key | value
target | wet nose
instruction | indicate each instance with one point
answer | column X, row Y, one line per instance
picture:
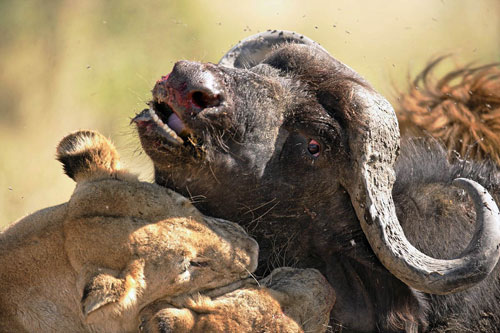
column 192, row 86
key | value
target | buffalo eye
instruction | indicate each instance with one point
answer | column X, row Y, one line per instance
column 313, row 148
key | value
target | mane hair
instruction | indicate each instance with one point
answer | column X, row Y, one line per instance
column 460, row 108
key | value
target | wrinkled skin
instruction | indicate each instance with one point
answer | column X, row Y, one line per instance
column 267, row 146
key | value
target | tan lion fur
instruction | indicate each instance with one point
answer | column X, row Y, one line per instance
column 288, row 300
column 123, row 255
column 92, row 263
column 461, row 109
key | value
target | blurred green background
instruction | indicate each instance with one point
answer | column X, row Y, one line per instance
column 68, row 65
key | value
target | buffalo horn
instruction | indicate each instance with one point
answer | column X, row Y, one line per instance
column 374, row 144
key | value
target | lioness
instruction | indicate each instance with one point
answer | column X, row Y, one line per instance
column 123, row 255
column 92, row 263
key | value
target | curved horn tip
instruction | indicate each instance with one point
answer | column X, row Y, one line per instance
column 474, row 189
column 431, row 275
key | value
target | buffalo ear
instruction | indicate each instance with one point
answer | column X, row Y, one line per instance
column 254, row 49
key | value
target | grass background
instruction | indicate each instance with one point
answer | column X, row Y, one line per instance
column 68, row 64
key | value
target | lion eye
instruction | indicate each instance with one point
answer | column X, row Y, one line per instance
column 314, row 148
column 199, row 263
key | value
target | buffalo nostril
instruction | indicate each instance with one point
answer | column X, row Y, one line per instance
column 205, row 100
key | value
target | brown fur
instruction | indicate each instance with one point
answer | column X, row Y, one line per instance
column 462, row 109
column 288, row 300
column 118, row 244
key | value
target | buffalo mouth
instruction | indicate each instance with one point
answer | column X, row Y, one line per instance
column 161, row 123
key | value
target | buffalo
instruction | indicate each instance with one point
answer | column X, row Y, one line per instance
column 302, row 152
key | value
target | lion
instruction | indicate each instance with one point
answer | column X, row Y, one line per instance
column 460, row 109
column 287, row 300
column 106, row 260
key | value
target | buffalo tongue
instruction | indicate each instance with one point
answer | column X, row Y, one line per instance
column 175, row 123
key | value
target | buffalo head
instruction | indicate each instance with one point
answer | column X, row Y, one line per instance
column 296, row 146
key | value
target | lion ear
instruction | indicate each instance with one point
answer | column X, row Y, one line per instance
column 101, row 290
column 87, row 155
